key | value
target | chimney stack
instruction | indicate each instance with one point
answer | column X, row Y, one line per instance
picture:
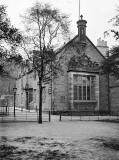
column 102, row 46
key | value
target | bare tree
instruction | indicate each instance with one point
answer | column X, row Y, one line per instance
column 45, row 28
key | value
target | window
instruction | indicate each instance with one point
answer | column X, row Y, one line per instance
column 82, row 31
column 75, row 92
column 30, row 98
column 83, row 87
column 34, row 96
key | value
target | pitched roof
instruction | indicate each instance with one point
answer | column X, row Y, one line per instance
column 68, row 43
column 65, row 45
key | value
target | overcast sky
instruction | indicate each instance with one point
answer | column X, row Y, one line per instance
column 96, row 12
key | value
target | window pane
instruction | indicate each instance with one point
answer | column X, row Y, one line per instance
column 84, row 92
column 88, row 92
column 84, row 87
column 80, row 92
column 88, row 87
column 79, row 80
column 84, row 80
column 75, row 78
column 75, row 93
column 92, row 88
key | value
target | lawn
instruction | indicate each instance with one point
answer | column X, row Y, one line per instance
column 71, row 140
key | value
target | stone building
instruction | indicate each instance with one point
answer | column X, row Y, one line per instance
column 114, row 88
column 81, row 87
column 6, row 91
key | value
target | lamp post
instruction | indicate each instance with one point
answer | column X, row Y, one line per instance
column 51, row 109
column 14, row 90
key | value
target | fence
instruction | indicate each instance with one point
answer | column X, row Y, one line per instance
column 23, row 115
column 87, row 115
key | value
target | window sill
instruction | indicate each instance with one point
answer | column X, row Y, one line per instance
column 85, row 101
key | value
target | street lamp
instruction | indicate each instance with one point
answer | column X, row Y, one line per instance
column 14, row 90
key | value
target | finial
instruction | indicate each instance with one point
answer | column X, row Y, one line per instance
column 81, row 17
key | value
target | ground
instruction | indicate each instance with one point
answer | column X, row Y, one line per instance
column 65, row 140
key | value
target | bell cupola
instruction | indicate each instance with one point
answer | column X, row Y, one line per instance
column 81, row 24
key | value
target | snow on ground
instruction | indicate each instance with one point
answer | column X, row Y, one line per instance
column 66, row 140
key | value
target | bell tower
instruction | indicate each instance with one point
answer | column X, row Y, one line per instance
column 81, row 24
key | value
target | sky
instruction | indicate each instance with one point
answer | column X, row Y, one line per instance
column 96, row 12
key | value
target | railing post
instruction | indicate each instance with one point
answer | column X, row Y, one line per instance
column 14, row 104
column 6, row 110
column 60, row 117
column 26, row 115
column 49, row 116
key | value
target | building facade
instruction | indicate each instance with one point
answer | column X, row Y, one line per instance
column 80, row 87
column 114, row 87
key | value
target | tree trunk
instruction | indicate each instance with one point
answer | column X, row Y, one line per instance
column 40, row 92
column 40, row 101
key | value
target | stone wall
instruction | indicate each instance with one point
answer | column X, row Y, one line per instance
column 114, row 94
column 60, row 93
column 32, row 80
column 114, row 97
column 6, row 85
column 103, row 101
